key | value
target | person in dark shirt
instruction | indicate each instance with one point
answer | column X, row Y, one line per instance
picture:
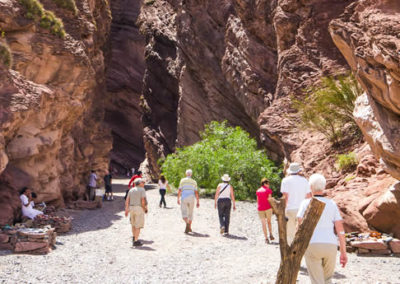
column 108, row 186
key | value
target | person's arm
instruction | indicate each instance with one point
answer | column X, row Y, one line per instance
column 286, row 195
column 233, row 198
column 216, row 197
column 127, row 206
column 342, row 242
column 144, row 204
column 179, row 195
column 130, row 182
column 198, row 198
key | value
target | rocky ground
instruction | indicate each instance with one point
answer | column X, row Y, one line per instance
column 99, row 250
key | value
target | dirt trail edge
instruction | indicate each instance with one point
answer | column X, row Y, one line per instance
column 99, row 250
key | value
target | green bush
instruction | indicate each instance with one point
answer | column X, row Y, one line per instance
column 5, row 55
column 46, row 19
column 346, row 162
column 223, row 149
column 329, row 107
column 67, row 4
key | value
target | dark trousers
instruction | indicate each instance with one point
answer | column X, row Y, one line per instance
column 162, row 193
column 224, row 212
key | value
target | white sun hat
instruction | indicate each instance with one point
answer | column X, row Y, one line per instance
column 294, row 168
column 225, row 177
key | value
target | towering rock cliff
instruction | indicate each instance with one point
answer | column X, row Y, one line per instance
column 125, row 71
column 368, row 36
column 52, row 110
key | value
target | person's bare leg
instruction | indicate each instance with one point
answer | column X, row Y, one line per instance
column 190, row 225
column 270, row 230
column 136, row 234
column 264, row 227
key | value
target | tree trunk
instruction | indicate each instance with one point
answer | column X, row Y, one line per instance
column 291, row 255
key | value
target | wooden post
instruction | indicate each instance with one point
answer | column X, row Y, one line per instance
column 291, row 255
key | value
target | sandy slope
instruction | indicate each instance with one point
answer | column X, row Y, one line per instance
column 99, row 250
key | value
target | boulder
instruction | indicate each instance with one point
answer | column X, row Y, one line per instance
column 4, row 238
column 383, row 213
column 394, row 245
column 370, row 245
column 28, row 246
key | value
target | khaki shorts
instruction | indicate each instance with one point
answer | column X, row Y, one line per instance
column 137, row 217
column 187, row 206
column 266, row 214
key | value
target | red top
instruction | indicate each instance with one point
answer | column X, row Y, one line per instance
column 133, row 179
column 263, row 194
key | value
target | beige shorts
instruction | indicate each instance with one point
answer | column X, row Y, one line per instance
column 266, row 214
column 187, row 206
column 137, row 217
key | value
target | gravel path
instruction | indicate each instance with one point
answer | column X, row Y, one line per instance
column 99, row 250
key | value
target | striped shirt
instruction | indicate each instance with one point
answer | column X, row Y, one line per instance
column 188, row 187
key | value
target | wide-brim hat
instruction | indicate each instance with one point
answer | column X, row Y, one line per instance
column 294, row 168
column 226, row 177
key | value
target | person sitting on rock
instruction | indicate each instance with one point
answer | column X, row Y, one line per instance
column 320, row 255
column 27, row 204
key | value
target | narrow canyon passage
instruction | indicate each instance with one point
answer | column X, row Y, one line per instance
column 99, row 250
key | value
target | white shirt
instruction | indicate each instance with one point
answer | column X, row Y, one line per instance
column 227, row 192
column 323, row 232
column 297, row 188
column 162, row 185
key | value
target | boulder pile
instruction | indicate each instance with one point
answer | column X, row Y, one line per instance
column 372, row 243
column 28, row 240
column 61, row 224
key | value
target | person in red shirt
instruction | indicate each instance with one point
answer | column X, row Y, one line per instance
column 264, row 208
column 131, row 182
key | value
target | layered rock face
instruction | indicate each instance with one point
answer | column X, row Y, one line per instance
column 52, row 103
column 125, row 70
column 368, row 36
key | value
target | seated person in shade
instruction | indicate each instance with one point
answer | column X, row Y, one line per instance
column 27, row 204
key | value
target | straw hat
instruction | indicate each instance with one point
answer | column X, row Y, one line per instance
column 225, row 177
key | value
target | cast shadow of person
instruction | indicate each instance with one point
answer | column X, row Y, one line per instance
column 234, row 237
column 198, row 235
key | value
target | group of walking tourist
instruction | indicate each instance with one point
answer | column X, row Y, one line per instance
column 297, row 191
column 320, row 256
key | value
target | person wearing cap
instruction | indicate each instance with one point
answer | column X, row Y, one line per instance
column 295, row 188
column 187, row 192
column 264, row 209
column 136, row 205
column 224, row 197
column 321, row 253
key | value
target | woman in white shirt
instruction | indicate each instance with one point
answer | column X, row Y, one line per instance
column 224, row 197
column 321, row 253
column 163, row 184
column 27, row 204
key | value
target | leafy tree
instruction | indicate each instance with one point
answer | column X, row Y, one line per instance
column 329, row 107
column 223, row 149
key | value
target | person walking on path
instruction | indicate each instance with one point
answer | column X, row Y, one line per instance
column 163, row 184
column 187, row 192
column 136, row 205
column 108, row 186
column 91, row 188
column 132, row 182
column 224, row 197
column 321, row 253
column 295, row 189
column 264, row 208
